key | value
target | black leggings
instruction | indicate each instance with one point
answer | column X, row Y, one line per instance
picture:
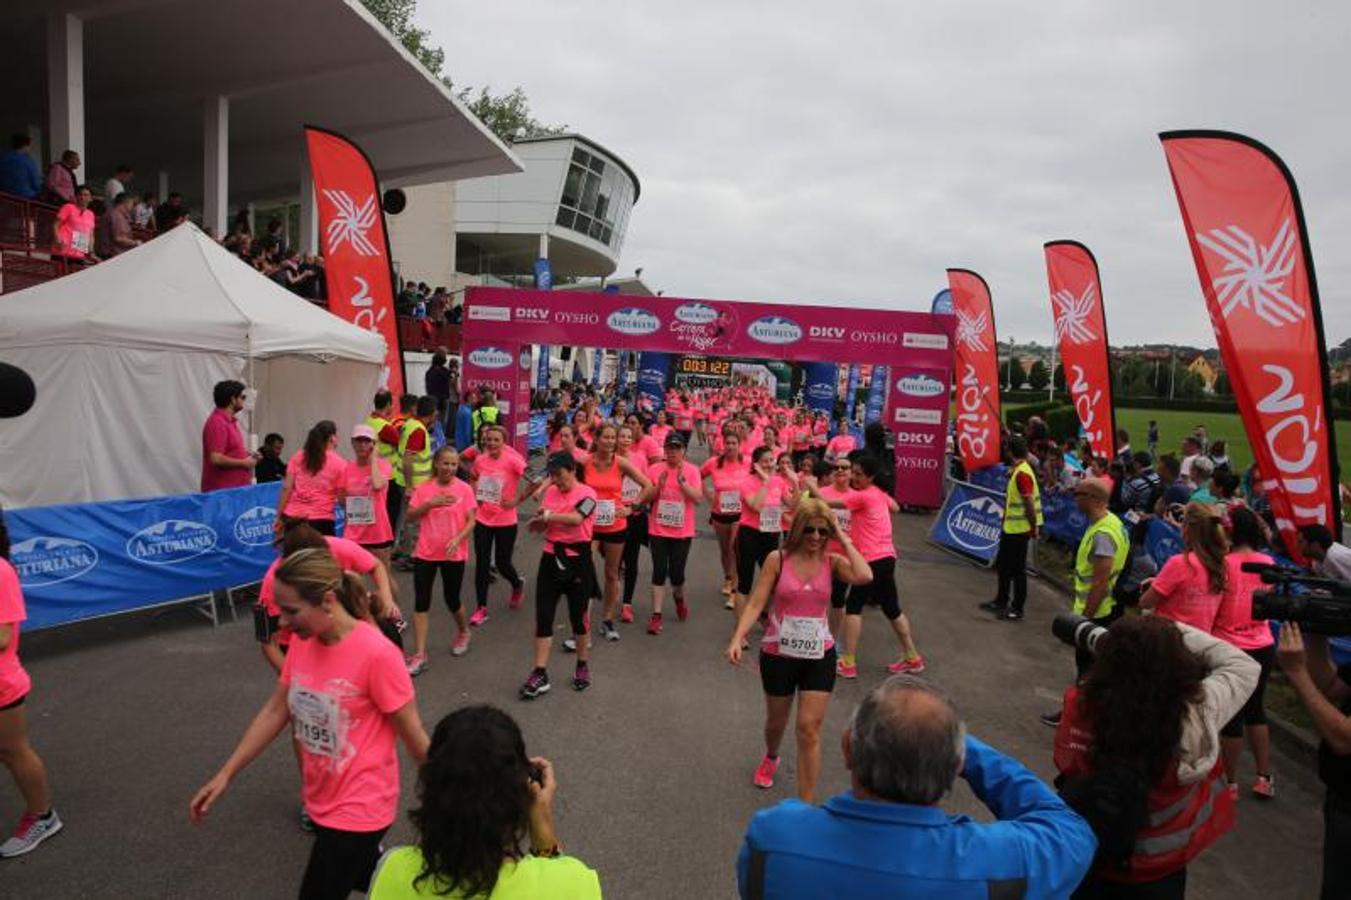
column 1254, row 712
column 486, row 538
column 340, row 862
column 882, row 589
column 394, row 504
column 752, row 546
column 424, row 576
column 574, row 582
column 633, row 545
column 669, row 556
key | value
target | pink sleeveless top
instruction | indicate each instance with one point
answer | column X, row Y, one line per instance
column 798, row 613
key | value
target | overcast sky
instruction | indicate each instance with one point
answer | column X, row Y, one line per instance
column 848, row 153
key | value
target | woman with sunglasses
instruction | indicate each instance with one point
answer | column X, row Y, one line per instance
column 797, row 652
column 836, row 488
column 607, row 472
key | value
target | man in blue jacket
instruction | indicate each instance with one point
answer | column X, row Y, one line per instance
column 888, row 838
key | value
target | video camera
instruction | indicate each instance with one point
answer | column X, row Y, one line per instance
column 1077, row 631
column 1320, row 605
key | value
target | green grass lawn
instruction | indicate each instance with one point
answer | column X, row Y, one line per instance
column 1174, row 426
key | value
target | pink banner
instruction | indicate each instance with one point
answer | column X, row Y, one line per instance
column 917, row 409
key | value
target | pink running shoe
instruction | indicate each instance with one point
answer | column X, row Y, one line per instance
column 479, row 617
column 517, row 597
column 682, row 611
column 654, row 624
column 626, row 613
column 846, row 670
column 1264, row 787
column 912, row 666
column 764, row 773
column 461, row 645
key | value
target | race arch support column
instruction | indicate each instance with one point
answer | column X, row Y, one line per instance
column 918, row 418
column 504, row 367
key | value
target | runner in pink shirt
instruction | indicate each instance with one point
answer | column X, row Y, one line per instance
column 568, row 443
column 842, row 444
column 725, row 473
column 608, row 473
column 764, row 498
column 445, row 507
column 838, row 488
column 365, row 491
column 499, row 486
column 630, row 446
column 314, row 481
column 659, row 429
column 346, row 694
column 676, row 488
column 1191, row 585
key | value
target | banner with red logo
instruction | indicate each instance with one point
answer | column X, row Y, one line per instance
column 1243, row 219
column 355, row 244
column 976, row 370
column 1081, row 333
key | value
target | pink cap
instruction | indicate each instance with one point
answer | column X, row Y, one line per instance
column 363, row 431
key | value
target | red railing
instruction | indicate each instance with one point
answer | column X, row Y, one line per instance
column 422, row 335
column 25, row 244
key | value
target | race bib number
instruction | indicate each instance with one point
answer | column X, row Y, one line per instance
column 771, row 519
column 729, row 501
column 605, row 513
column 315, row 719
column 360, row 510
column 844, row 517
column 629, row 490
column 671, row 514
column 79, row 240
column 802, row 638
column 489, row 490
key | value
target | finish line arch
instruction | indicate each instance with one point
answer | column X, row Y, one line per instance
column 500, row 325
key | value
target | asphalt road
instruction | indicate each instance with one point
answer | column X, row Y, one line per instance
column 654, row 762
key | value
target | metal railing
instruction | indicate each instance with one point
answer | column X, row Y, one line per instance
column 25, row 244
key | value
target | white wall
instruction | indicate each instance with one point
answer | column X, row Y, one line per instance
column 422, row 237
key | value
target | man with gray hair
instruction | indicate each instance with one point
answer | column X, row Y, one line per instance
column 905, row 748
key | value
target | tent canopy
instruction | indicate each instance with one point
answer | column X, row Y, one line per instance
column 125, row 353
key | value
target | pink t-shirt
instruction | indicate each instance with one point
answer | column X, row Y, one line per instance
column 221, row 434
column 498, row 480
column 727, row 480
column 658, row 434
column 1233, row 621
column 556, row 502
column 799, row 599
column 14, row 680
column 870, row 523
column 649, row 448
column 341, row 697
column 314, row 495
column 363, row 503
column 776, row 496
column 75, row 227
column 672, row 512
column 841, row 445
column 845, row 516
column 348, row 553
column 441, row 523
column 1184, row 585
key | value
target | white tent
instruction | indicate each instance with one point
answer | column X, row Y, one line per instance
column 125, row 354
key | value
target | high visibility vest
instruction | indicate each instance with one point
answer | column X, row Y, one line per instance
column 1015, row 520
column 422, row 460
column 485, row 415
column 558, row 878
column 1083, row 563
column 388, row 452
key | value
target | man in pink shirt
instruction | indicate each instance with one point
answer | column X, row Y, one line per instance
column 73, row 229
column 225, row 462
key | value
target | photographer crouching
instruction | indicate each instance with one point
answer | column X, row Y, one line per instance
column 1138, row 749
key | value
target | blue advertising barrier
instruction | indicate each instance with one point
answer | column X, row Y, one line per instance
column 539, row 431
column 653, row 372
column 970, row 522
column 820, row 382
column 94, row 559
column 851, row 393
column 877, row 394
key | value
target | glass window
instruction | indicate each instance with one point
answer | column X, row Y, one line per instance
column 580, row 156
column 572, row 186
column 605, row 235
column 597, row 226
column 597, row 165
column 565, row 217
column 590, row 189
column 583, row 223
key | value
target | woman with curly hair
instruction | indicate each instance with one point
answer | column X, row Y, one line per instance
column 480, row 797
column 1138, row 750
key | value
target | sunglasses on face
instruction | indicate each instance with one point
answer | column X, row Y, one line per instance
column 816, row 529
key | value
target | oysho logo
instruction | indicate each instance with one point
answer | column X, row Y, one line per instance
column 976, row 523
column 920, row 385
column 916, row 462
column 253, row 528
column 171, row 542
column 633, row 320
column 46, row 560
column 696, row 313
column 490, row 358
column 774, row 330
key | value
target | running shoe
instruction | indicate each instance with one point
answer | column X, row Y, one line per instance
column 417, row 664
column 1264, row 787
column 727, row 586
column 912, row 666
column 994, row 606
column 626, row 614
column 609, row 631
column 764, row 773
column 1012, row 615
column 1051, row 720
column 729, row 603
column 846, row 669
column 654, row 624
column 536, row 684
column 581, row 679
column 32, row 830
column 1231, row 788
column 461, row 645
column 570, row 645
column 517, row 597
column 479, row 617
column 306, row 823
column 682, row 611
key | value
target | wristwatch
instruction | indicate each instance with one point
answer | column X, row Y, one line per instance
column 547, row 853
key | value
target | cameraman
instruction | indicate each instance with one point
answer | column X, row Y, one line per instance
column 1329, row 558
column 1326, row 694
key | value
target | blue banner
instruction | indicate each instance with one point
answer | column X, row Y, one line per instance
column 851, row 392
column 1162, row 540
column 942, row 303
column 970, row 522
column 542, row 369
column 538, row 438
column 93, row 559
column 622, row 370
column 597, row 360
column 820, row 381
column 1063, row 521
column 653, row 371
column 877, row 394
column 544, row 275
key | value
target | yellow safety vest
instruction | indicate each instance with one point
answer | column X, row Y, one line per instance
column 529, row 878
column 486, row 415
column 1015, row 519
column 422, row 460
column 388, row 452
column 1083, row 564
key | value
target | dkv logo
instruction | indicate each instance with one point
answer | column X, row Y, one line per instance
column 253, row 527
column 170, row 542
column 774, row 330
column 976, row 523
column 46, row 560
column 490, row 358
column 920, row 385
column 634, row 320
column 696, row 313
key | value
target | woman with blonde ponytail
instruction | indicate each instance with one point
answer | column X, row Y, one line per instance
column 1190, row 587
column 346, row 693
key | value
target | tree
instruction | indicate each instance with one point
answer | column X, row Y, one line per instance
column 1013, row 371
column 1059, row 376
column 506, row 115
column 1222, row 387
column 1038, row 376
column 397, row 16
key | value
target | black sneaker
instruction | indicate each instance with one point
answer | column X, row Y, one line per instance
column 581, row 679
column 1051, row 720
column 994, row 606
column 536, row 684
column 1013, row 615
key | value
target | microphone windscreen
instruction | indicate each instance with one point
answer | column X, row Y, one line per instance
column 17, row 391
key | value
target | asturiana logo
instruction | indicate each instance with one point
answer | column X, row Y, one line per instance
column 652, row 376
column 490, row 358
column 170, row 542
column 696, row 313
column 774, row 330
column 919, row 385
column 976, row 524
column 633, row 320
column 253, row 528
column 821, row 391
column 45, row 560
